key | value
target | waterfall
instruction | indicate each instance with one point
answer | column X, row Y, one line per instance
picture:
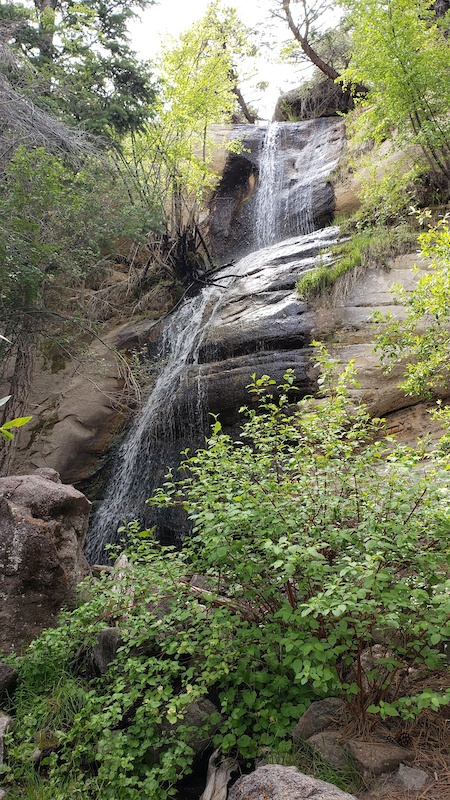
column 268, row 196
column 248, row 318
column 141, row 455
column 295, row 162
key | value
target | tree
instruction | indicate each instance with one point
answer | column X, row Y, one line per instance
column 326, row 49
column 59, row 200
column 402, row 53
column 304, row 31
column 76, row 61
column 197, row 76
column 200, row 74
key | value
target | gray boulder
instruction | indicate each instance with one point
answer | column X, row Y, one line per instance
column 328, row 746
column 104, row 651
column 43, row 526
column 411, row 778
column 318, row 717
column 376, row 758
column 274, row 782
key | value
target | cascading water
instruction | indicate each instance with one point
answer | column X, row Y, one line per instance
column 269, row 192
column 146, row 448
column 249, row 320
column 294, row 162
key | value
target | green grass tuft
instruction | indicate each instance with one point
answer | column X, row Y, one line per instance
column 367, row 248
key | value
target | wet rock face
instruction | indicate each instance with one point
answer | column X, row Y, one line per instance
column 252, row 321
column 232, row 206
column 301, row 197
column 43, row 526
column 260, row 326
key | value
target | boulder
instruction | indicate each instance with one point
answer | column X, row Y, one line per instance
column 318, row 98
column 43, row 526
column 376, row 758
column 274, row 782
column 104, row 651
column 411, row 778
column 197, row 718
column 328, row 746
column 317, row 717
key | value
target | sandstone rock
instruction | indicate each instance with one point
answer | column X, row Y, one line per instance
column 8, row 677
column 329, row 746
column 317, row 717
column 345, row 317
column 105, row 650
column 80, row 410
column 274, row 782
column 321, row 98
column 375, row 758
column 43, row 526
column 411, row 778
column 6, row 723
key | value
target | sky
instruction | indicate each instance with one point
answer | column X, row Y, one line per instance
column 175, row 16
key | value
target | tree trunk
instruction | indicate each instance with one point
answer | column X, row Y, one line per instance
column 46, row 10
column 314, row 57
column 244, row 107
column 17, row 405
column 327, row 69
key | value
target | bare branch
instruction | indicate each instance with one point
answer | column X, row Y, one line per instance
column 24, row 123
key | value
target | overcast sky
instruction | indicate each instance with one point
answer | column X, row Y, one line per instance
column 174, row 16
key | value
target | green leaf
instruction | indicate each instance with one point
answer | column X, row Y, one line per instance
column 15, row 423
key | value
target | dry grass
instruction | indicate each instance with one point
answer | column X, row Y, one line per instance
column 429, row 738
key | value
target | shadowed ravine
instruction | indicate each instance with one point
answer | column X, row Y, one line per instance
column 250, row 321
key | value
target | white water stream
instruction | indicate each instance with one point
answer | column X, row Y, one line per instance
column 176, row 410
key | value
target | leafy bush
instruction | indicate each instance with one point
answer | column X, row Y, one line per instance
column 387, row 191
column 309, row 533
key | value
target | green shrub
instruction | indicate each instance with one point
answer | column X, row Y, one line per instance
column 386, row 199
column 307, row 532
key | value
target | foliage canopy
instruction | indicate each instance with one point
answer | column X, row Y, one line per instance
column 74, row 59
column 401, row 52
